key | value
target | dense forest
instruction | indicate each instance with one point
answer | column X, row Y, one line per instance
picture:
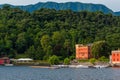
column 48, row 32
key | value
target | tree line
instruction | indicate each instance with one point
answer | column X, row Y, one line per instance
column 47, row 32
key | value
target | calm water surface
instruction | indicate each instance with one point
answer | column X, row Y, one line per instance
column 27, row 73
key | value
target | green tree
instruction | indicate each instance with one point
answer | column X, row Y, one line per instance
column 49, row 51
column 2, row 47
column 67, row 47
column 100, row 48
column 73, row 33
column 46, row 45
column 114, row 40
column 8, row 47
column 58, row 40
column 39, row 53
column 31, row 52
column 45, row 42
column 21, row 42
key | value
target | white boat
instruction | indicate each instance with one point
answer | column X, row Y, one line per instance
column 8, row 64
column 101, row 66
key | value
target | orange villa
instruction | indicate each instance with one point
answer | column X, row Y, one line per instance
column 83, row 51
column 115, row 57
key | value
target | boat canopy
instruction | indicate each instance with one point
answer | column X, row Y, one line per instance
column 25, row 59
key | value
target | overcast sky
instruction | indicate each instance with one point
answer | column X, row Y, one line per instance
column 112, row 4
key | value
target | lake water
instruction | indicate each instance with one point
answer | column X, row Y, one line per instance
column 27, row 73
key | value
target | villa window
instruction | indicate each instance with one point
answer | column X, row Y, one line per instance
column 113, row 54
column 117, row 59
column 117, row 54
column 113, row 59
column 82, row 54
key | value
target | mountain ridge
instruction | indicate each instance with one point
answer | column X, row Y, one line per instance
column 74, row 6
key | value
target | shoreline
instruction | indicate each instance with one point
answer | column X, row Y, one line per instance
column 71, row 66
column 46, row 67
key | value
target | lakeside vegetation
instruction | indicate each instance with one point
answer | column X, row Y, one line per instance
column 47, row 32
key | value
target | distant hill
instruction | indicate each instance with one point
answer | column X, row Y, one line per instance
column 74, row 6
column 117, row 13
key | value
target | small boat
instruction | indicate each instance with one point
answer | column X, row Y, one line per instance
column 101, row 66
column 8, row 64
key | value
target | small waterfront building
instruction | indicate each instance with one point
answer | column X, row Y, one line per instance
column 83, row 51
column 4, row 60
column 115, row 57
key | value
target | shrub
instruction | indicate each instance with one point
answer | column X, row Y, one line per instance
column 66, row 61
column 53, row 60
column 103, row 59
column 92, row 60
column 72, row 57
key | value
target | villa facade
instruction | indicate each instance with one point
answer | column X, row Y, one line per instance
column 115, row 57
column 83, row 51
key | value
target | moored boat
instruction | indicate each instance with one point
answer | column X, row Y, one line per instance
column 8, row 64
column 101, row 66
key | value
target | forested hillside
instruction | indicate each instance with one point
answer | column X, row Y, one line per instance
column 47, row 32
